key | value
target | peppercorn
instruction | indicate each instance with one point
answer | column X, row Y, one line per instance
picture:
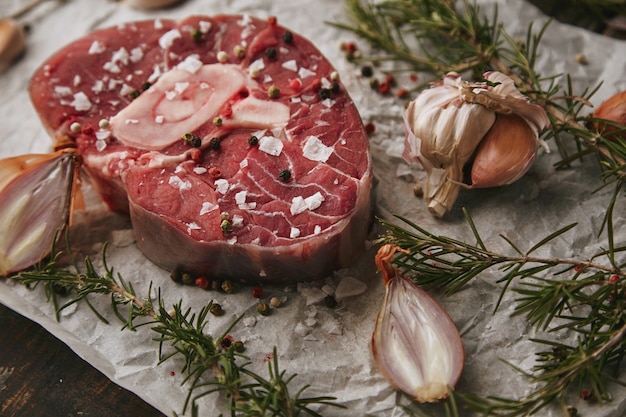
column 225, row 225
column 330, row 301
column 187, row 279
column 284, row 175
column 257, row 292
column 334, row 87
column 271, row 53
column 238, row 346
column 324, row 93
column 217, row 121
column 193, row 140
column 134, row 94
column 263, row 309
column 367, row 71
column 287, row 37
column 216, row 309
column 228, row 286
column 273, row 92
column 215, row 144
column 275, row 302
column 202, row 282
column 177, row 275
column 226, row 342
column 253, row 140
column 374, row 83
column 196, row 34
column 146, row 85
column 239, row 51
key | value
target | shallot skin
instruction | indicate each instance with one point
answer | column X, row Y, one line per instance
column 415, row 343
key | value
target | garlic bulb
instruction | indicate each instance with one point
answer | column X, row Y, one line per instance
column 415, row 343
column 614, row 110
column 12, row 41
column 446, row 124
column 36, row 192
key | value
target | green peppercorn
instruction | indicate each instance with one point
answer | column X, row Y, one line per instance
column 217, row 121
column 284, row 175
column 226, row 225
column 287, row 37
column 238, row 346
column 263, row 309
column 193, row 140
column 215, row 144
column 228, row 286
column 216, row 309
column 187, row 279
column 253, row 140
column 196, row 34
column 134, row 94
column 271, row 53
column 273, row 92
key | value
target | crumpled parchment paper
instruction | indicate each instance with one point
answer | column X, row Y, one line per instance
column 329, row 347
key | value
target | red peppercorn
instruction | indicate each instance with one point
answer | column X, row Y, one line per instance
column 316, row 84
column 172, row 373
column 257, row 292
column 202, row 282
column 215, row 172
column 195, row 154
column 578, row 268
column 402, row 93
column 226, row 342
column 585, row 394
column 349, row 46
column 295, row 84
column 370, row 128
column 613, row 278
column 413, row 77
column 384, row 87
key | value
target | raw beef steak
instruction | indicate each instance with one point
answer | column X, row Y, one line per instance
column 229, row 140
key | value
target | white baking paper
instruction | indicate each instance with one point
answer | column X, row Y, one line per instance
column 329, row 347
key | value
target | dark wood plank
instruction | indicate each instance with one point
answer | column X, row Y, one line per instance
column 49, row 379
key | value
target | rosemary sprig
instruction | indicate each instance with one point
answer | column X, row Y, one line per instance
column 555, row 295
column 211, row 364
column 436, row 37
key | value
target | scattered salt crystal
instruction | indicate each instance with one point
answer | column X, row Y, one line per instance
column 204, row 26
column 121, row 55
column 97, row 86
column 136, row 54
column 177, row 182
column 271, row 145
column 159, row 118
column 315, row 150
column 328, row 103
column 237, row 221
column 222, row 186
column 249, row 321
column 126, row 90
column 181, row 87
column 76, row 80
column 158, row 24
column 304, row 73
column 314, row 201
column 349, row 287
column 310, row 322
column 257, row 65
column 102, row 134
column 301, row 330
column 81, row 102
column 290, row 65
column 101, row 145
column 191, row 64
column 333, row 327
column 200, row 170
column 232, row 240
column 62, row 91
column 156, row 73
column 294, row 233
column 313, row 295
column 168, row 38
column 96, row 47
column 179, row 169
column 207, row 207
column 317, row 230
column 243, row 163
column 112, row 67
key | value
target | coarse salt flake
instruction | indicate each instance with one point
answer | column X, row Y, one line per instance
column 121, row 55
column 222, row 186
column 96, row 47
column 62, row 91
column 168, row 38
column 102, row 134
column 294, row 233
column 317, row 230
column 243, row 163
column 81, row 102
column 191, row 64
column 204, row 26
column 304, row 73
column 136, row 54
column 159, row 118
column 207, row 206
column 177, row 182
column 237, row 220
column 200, row 170
column 271, row 145
column 126, row 90
column 290, row 65
column 300, row 204
column 315, row 150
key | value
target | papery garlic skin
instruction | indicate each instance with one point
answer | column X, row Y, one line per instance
column 415, row 343
column 35, row 204
column 446, row 123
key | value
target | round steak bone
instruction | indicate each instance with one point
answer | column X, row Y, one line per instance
column 229, row 139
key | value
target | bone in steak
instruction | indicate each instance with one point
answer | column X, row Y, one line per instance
column 229, row 140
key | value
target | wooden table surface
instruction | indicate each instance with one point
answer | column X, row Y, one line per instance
column 49, row 379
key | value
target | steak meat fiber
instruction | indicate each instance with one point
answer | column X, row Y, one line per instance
column 228, row 139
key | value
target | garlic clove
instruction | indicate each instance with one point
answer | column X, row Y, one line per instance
column 152, row 4
column 12, row 41
column 505, row 154
column 35, row 204
column 415, row 343
column 614, row 110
